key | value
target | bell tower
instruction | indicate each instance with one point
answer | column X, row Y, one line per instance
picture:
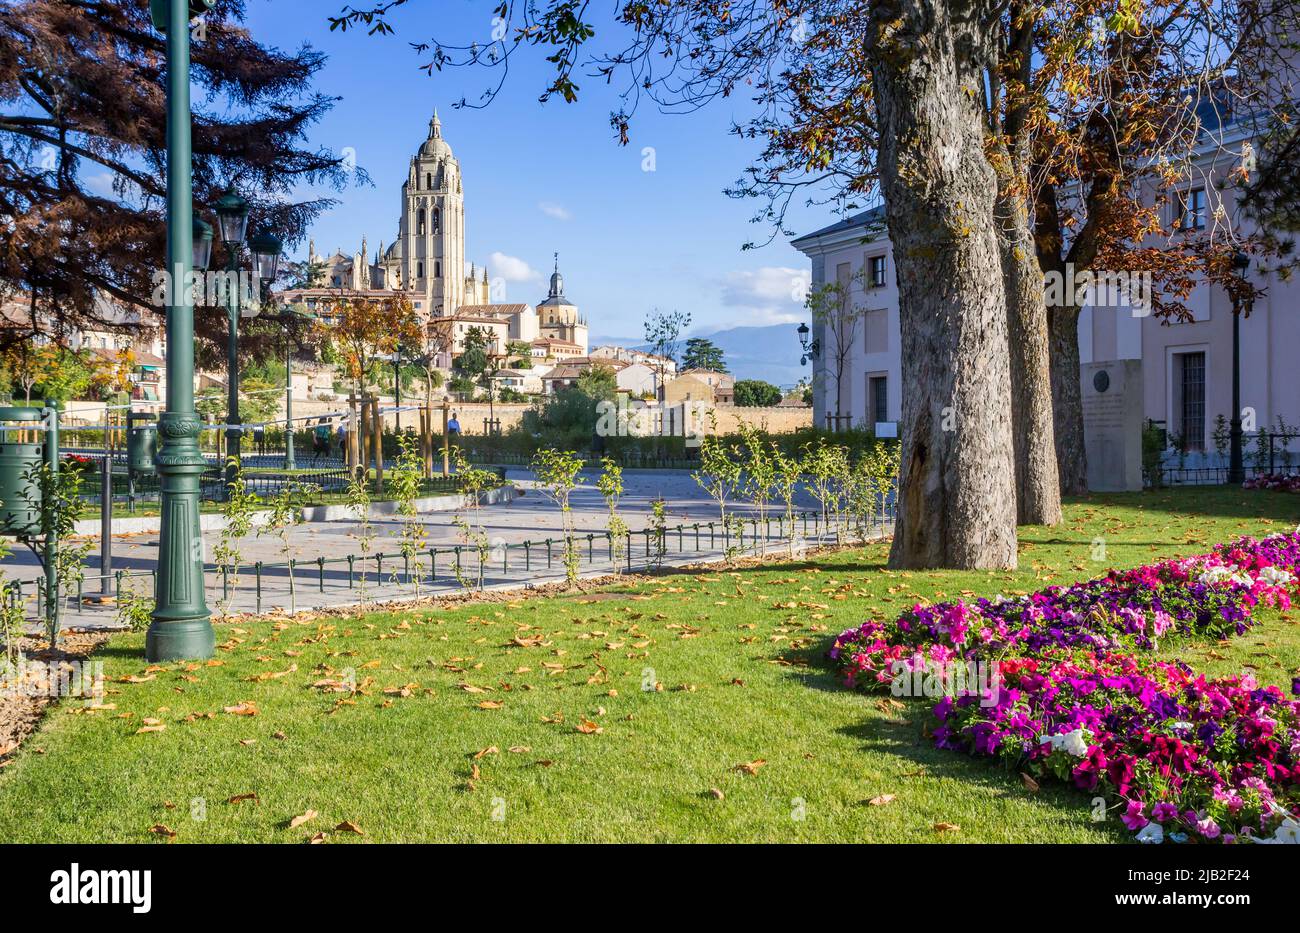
column 431, row 232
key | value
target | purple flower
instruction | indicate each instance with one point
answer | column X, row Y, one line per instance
column 1133, row 817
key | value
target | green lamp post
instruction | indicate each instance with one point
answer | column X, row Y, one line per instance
column 290, row 318
column 181, row 627
column 232, row 218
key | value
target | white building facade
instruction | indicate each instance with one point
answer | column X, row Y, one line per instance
column 856, row 253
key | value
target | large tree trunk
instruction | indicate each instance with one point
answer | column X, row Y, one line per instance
column 1038, row 490
column 1067, row 399
column 956, row 497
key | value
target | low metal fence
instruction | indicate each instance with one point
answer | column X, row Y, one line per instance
column 319, row 582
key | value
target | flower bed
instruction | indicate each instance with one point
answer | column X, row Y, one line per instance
column 1073, row 697
column 1282, row 482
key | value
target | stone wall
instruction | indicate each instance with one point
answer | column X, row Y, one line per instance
column 471, row 415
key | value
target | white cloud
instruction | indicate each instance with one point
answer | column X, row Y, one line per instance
column 767, row 295
column 554, row 211
column 100, row 183
column 511, row 268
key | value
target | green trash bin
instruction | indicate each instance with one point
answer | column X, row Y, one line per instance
column 142, row 443
column 20, row 494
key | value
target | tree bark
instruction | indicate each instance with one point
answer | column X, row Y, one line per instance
column 956, row 497
column 1038, row 490
column 1067, row 399
column 1063, row 323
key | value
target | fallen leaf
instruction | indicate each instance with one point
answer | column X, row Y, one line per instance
column 587, row 727
column 1030, row 784
column 882, row 800
column 347, row 826
column 303, row 818
column 750, row 767
column 946, row 828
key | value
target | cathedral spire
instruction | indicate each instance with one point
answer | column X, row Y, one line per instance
column 435, row 125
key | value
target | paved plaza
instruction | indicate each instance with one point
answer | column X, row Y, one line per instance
column 322, row 576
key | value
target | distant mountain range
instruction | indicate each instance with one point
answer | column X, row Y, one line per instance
column 768, row 353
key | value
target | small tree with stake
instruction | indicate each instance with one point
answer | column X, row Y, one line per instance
column 557, row 474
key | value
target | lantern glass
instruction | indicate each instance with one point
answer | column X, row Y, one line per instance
column 232, row 215
column 202, row 245
column 266, row 256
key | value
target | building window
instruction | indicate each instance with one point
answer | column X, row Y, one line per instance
column 419, row 270
column 1192, row 377
column 428, row 180
column 437, row 220
column 437, row 270
column 876, row 271
column 878, row 397
column 419, row 222
column 1193, row 210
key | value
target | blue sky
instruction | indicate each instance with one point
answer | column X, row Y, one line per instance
column 546, row 178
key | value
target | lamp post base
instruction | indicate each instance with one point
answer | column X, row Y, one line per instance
column 180, row 628
column 192, row 639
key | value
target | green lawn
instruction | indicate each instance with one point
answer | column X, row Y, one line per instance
column 738, row 657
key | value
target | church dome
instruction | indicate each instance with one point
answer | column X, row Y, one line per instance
column 556, row 297
column 435, row 147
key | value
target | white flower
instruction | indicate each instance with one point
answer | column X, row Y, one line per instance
column 1215, row 575
column 1287, row 834
column 1074, row 743
column 1182, row 725
column 1151, row 834
column 1275, row 576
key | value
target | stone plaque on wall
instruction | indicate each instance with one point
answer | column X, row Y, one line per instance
column 1112, row 424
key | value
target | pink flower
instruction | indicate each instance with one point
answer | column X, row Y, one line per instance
column 1133, row 817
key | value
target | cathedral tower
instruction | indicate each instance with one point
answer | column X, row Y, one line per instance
column 428, row 257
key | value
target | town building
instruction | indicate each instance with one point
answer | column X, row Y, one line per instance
column 426, row 265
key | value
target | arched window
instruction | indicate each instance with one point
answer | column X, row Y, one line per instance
column 428, row 180
column 419, row 222
column 437, row 270
column 419, row 270
column 437, row 220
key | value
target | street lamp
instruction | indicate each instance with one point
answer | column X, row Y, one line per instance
column 202, row 245
column 180, row 628
column 290, row 317
column 810, row 350
column 1241, row 301
column 266, row 256
column 232, row 218
column 397, row 387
